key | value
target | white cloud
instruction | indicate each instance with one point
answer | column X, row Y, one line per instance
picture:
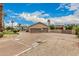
column 74, row 6
column 10, row 24
column 37, row 13
column 10, row 11
column 34, row 16
column 70, row 6
column 38, row 16
column 70, row 19
column 61, row 6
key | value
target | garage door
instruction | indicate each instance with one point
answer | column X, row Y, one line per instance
column 39, row 30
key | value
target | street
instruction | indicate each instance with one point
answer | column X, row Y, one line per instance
column 25, row 44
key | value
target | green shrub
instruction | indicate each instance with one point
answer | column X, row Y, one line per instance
column 18, row 30
column 15, row 30
column 52, row 27
column 77, row 30
column 1, row 34
column 69, row 27
column 9, row 28
column 78, row 34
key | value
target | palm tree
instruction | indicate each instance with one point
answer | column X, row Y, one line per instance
column 4, row 15
column 12, row 21
column 48, row 24
column 19, row 25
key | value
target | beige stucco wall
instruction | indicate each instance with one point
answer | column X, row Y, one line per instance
column 37, row 26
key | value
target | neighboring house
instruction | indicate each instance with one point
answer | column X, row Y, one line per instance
column 38, row 27
column 1, row 28
column 60, row 27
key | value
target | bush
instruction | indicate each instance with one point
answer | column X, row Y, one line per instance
column 77, row 30
column 69, row 27
column 18, row 30
column 78, row 34
column 1, row 34
column 15, row 30
column 8, row 28
column 52, row 27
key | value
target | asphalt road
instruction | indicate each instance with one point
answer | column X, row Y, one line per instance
column 26, row 44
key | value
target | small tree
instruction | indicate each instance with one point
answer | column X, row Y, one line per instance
column 77, row 30
column 69, row 27
column 1, row 34
column 8, row 28
column 12, row 21
column 52, row 27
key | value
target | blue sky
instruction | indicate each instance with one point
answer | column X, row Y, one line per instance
column 30, row 13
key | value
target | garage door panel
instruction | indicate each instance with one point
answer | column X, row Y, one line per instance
column 39, row 29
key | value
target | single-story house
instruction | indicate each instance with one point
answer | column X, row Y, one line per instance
column 38, row 27
column 61, row 27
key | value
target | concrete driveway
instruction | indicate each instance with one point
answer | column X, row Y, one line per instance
column 55, row 44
